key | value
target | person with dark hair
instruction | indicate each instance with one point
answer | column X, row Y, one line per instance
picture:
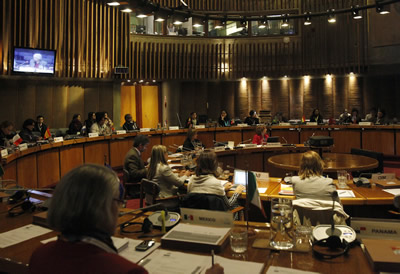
column 27, row 131
column 355, row 117
column 261, row 136
column 345, row 117
column 252, row 119
column 224, row 120
column 40, row 126
column 192, row 120
column 76, row 125
column 129, row 123
column 100, row 126
column 191, row 142
column 86, row 225
column 381, row 118
column 6, row 133
column 90, row 121
column 316, row 117
column 205, row 180
column 133, row 163
column 279, row 118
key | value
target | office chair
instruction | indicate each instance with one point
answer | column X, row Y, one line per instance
column 149, row 193
column 311, row 212
column 127, row 184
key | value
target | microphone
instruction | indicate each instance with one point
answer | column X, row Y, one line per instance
column 332, row 231
column 144, row 209
column 284, row 139
column 246, row 141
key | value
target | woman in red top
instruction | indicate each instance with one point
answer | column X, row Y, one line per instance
column 261, row 135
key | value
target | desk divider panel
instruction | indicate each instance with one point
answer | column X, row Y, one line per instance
column 48, row 167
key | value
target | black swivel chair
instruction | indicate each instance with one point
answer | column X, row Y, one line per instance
column 372, row 154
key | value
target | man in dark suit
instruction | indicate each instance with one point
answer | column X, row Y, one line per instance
column 134, row 164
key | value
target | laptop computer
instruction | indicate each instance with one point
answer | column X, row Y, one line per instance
column 239, row 178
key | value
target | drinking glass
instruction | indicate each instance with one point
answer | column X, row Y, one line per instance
column 281, row 223
column 303, row 237
column 238, row 240
column 342, row 177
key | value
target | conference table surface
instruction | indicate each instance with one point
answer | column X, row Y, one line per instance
column 15, row 258
column 333, row 162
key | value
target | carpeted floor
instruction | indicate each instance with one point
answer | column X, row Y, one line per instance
column 133, row 203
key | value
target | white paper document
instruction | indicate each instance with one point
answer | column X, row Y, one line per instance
column 196, row 233
column 346, row 194
column 21, row 234
column 262, row 190
column 394, row 191
column 285, row 270
column 132, row 255
column 165, row 262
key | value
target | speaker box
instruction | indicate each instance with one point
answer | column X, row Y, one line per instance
column 320, row 141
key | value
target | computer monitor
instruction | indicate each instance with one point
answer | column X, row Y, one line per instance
column 273, row 139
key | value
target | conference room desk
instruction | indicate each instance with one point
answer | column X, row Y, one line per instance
column 15, row 259
column 333, row 162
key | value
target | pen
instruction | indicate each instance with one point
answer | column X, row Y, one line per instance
column 212, row 257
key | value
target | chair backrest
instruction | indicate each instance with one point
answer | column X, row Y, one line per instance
column 204, row 201
column 150, row 191
column 372, row 154
column 316, row 213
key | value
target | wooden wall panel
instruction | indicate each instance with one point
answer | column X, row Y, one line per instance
column 44, row 104
column 70, row 157
column 128, row 102
column 75, row 102
column 150, row 104
column 96, row 153
column 10, row 171
column 379, row 140
column 48, row 167
column 345, row 140
column 26, row 97
column 60, row 105
column 118, row 150
column 27, row 171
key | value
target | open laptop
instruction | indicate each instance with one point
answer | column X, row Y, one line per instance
column 239, row 178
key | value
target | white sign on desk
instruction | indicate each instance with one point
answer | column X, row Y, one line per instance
column 365, row 123
column 94, row 134
column 4, row 152
column 264, row 176
column 58, row 139
column 312, row 124
column 144, row 129
column 199, row 126
column 23, row 147
column 121, row 132
column 207, row 217
column 174, row 128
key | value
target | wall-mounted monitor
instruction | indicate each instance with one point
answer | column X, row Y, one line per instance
column 34, row 61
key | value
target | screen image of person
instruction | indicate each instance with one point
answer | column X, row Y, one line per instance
column 86, row 225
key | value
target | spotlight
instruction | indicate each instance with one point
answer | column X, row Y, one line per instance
column 381, row 9
column 113, row 3
column 160, row 19
column 356, row 13
column 285, row 23
column 243, row 21
column 127, row 10
column 307, row 21
column 331, row 16
column 141, row 14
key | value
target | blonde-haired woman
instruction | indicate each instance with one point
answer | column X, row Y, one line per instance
column 160, row 172
column 310, row 183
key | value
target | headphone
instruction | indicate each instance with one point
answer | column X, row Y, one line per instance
column 21, row 208
column 362, row 181
column 337, row 247
column 147, row 226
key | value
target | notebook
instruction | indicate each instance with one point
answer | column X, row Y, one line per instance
column 384, row 255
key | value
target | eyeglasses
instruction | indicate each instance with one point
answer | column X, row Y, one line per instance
column 119, row 201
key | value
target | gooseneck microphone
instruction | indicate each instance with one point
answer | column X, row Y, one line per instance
column 332, row 231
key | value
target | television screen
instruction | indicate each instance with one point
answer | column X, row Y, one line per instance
column 34, row 61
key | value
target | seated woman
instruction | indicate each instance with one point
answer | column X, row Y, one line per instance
column 310, row 183
column 90, row 121
column 27, row 131
column 191, row 142
column 261, row 135
column 160, row 172
column 100, row 126
column 76, row 125
column 316, row 116
column 224, row 120
column 84, row 208
column 205, row 182
column 6, row 133
column 192, row 120
column 252, row 119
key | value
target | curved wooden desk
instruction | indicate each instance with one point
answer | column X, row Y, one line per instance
column 333, row 162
